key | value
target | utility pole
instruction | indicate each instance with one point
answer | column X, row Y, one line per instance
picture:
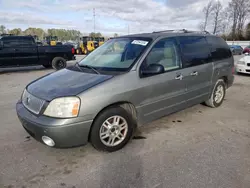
column 128, row 29
column 94, row 18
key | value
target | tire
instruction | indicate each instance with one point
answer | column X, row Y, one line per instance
column 59, row 63
column 47, row 66
column 211, row 102
column 98, row 127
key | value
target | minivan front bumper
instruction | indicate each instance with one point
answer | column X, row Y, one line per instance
column 64, row 132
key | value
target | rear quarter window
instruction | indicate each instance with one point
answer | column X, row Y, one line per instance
column 219, row 48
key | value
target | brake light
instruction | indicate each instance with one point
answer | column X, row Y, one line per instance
column 73, row 51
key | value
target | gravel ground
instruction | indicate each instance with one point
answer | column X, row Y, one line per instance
column 195, row 148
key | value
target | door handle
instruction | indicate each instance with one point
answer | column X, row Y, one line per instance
column 179, row 77
column 195, row 73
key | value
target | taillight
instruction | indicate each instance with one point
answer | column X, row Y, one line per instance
column 233, row 70
column 73, row 50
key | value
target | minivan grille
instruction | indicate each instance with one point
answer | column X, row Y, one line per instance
column 32, row 103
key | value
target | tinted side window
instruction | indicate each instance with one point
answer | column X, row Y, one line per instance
column 26, row 42
column 10, row 42
column 219, row 48
column 164, row 52
column 195, row 50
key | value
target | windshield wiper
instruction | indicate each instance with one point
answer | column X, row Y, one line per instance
column 89, row 67
column 78, row 66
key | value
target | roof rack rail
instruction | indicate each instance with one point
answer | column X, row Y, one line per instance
column 181, row 31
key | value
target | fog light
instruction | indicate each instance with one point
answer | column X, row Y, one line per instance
column 48, row 141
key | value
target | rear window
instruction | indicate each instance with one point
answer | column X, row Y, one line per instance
column 219, row 48
column 195, row 50
column 18, row 42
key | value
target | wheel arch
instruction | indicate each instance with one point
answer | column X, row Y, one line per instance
column 128, row 106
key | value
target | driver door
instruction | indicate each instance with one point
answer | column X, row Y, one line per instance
column 163, row 93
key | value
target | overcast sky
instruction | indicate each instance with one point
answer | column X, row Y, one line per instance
column 112, row 16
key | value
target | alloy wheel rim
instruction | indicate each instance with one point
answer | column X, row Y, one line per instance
column 219, row 94
column 113, row 131
column 60, row 64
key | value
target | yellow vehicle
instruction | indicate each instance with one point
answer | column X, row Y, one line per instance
column 87, row 45
column 100, row 40
column 51, row 40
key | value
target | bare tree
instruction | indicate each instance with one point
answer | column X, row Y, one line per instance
column 217, row 16
column 2, row 29
column 207, row 12
column 239, row 10
column 225, row 21
column 244, row 9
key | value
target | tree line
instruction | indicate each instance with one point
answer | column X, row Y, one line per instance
column 62, row 34
column 227, row 20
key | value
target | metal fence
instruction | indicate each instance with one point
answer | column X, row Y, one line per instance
column 243, row 44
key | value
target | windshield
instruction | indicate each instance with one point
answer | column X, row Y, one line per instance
column 116, row 54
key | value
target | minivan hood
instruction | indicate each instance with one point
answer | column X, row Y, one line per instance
column 64, row 83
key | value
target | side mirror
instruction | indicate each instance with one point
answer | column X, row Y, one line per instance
column 153, row 69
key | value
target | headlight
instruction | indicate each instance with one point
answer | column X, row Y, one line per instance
column 241, row 62
column 65, row 107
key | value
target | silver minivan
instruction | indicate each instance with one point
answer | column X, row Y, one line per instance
column 125, row 83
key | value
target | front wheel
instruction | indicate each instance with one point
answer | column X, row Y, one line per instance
column 218, row 95
column 112, row 129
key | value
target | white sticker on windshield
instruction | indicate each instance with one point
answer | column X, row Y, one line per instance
column 140, row 42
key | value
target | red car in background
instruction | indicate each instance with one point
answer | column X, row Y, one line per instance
column 246, row 49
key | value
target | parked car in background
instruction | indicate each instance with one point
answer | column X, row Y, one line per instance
column 24, row 51
column 243, row 65
column 236, row 49
column 73, row 44
column 126, row 82
column 246, row 49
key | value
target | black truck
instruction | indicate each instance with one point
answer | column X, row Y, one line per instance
column 23, row 51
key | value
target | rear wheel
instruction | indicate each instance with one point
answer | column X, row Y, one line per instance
column 112, row 129
column 218, row 95
column 59, row 63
